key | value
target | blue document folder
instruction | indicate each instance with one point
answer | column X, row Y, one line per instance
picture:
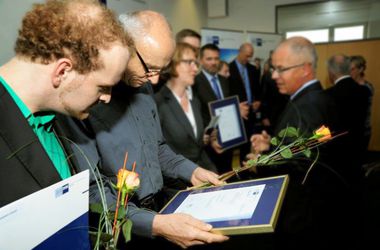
column 231, row 208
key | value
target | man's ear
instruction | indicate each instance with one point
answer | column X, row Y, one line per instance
column 308, row 69
column 62, row 67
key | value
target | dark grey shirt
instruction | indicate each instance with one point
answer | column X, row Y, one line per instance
column 130, row 123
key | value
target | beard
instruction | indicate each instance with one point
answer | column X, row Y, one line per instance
column 66, row 101
column 68, row 110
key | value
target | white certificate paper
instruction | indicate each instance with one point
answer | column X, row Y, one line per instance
column 230, row 204
column 27, row 222
column 228, row 123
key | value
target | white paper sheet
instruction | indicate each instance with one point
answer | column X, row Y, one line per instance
column 230, row 204
column 228, row 123
column 27, row 222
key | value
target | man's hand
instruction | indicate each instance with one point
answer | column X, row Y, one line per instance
column 256, row 105
column 266, row 122
column 214, row 142
column 184, row 230
column 260, row 142
column 206, row 139
column 201, row 175
column 244, row 110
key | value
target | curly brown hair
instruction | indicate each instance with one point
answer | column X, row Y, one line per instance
column 74, row 29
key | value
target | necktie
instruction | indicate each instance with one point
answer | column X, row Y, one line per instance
column 185, row 103
column 215, row 87
column 247, row 84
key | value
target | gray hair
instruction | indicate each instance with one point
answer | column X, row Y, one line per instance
column 138, row 23
column 303, row 47
column 339, row 65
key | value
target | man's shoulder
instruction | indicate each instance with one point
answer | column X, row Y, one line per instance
column 162, row 95
column 313, row 95
column 222, row 78
column 200, row 77
column 345, row 87
column 120, row 106
column 199, row 82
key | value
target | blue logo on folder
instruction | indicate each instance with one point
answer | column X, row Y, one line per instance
column 61, row 190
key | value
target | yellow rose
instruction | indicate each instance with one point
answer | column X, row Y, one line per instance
column 127, row 180
column 121, row 176
column 132, row 181
column 323, row 133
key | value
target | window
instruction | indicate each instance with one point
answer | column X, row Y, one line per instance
column 349, row 33
column 315, row 36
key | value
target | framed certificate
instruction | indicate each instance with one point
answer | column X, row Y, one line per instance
column 245, row 207
column 231, row 131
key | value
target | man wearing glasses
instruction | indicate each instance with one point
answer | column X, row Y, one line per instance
column 131, row 124
column 314, row 200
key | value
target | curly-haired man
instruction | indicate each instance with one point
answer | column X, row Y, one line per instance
column 68, row 56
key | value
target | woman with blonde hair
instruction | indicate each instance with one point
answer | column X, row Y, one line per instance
column 180, row 111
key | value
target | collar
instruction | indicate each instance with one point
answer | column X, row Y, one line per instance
column 240, row 66
column 35, row 120
column 20, row 104
column 341, row 78
column 305, row 85
column 209, row 76
column 40, row 119
column 188, row 92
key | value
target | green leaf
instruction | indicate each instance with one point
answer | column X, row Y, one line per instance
column 307, row 152
column 104, row 237
column 274, row 141
column 250, row 163
column 289, row 132
column 121, row 214
column 286, row 153
column 263, row 159
column 127, row 229
column 96, row 208
column 113, row 185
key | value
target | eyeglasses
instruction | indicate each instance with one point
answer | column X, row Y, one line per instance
column 190, row 61
column 148, row 72
column 281, row 70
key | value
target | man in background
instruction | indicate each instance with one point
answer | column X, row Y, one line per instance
column 352, row 104
column 244, row 82
column 189, row 36
column 209, row 86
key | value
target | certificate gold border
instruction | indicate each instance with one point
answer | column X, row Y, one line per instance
column 261, row 228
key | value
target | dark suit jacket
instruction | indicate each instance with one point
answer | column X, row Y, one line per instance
column 25, row 166
column 178, row 131
column 206, row 94
column 237, row 85
column 237, row 88
column 309, row 207
column 352, row 103
column 310, row 109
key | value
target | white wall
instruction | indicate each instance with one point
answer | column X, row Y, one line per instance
column 250, row 15
column 122, row 6
column 182, row 13
column 11, row 13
